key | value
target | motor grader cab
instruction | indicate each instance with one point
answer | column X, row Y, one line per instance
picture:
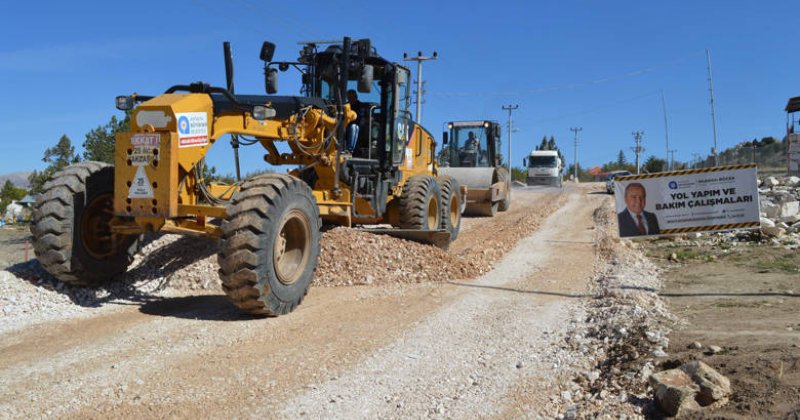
column 87, row 223
column 471, row 154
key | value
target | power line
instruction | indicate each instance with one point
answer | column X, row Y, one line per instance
column 575, row 163
column 572, row 86
column 597, row 108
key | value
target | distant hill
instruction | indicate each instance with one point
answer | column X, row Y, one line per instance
column 19, row 179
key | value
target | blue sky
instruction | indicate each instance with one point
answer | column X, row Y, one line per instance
column 596, row 65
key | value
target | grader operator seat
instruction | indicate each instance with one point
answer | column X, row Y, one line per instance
column 368, row 117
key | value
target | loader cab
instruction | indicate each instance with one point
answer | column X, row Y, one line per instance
column 471, row 144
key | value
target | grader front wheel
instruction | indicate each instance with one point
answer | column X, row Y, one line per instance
column 72, row 236
column 270, row 244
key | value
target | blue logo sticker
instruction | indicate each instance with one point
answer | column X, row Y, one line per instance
column 673, row 185
column 183, row 125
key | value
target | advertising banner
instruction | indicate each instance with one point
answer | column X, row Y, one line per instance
column 694, row 200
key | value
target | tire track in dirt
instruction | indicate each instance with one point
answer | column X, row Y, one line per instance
column 198, row 355
column 466, row 358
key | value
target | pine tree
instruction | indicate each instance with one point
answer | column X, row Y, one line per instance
column 61, row 155
column 621, row 160
column 543, row 144
column 57, row 157
column 100, row 142
column 654, row 164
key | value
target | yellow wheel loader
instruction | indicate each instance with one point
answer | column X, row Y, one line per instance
column 351, row 164
column 471, row 155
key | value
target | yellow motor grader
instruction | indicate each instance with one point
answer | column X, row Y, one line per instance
column 352, row 164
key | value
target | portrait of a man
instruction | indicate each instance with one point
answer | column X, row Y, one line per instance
column 634, row 221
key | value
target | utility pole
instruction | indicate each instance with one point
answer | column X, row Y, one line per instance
column 672, row 155
column 419, row 59
column 697, row 159
column 510, row 109
column 753, row 145
column 666, row 129
column 637, row 135
column 713, row 114
column 575, row 164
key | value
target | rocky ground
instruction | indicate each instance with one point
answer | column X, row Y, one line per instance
column 539, row 312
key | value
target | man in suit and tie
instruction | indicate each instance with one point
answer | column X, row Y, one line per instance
column 634, row 221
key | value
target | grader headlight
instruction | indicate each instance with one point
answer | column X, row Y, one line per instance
column 124, row 103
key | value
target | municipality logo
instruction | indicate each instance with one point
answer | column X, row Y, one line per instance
column 183, row 125
column 673, row 185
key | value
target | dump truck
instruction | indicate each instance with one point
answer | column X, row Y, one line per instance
column 471, row 155
column 372, row 165
column 544, row 168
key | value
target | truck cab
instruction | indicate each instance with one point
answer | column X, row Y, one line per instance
column 544, row 168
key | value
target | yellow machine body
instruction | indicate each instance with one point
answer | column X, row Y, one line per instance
column 156, row 184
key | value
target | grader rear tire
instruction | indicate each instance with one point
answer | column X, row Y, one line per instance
column 70, row 226
column 451, row 205
column 420, row 204
column 270, row 244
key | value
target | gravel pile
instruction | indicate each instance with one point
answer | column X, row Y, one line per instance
column 623, row 336
column 174, row 265
column 352, row 257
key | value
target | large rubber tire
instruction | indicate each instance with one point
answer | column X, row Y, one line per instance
column 270, row 244
column 70, row 226
column 451, row 205
column 421, row 203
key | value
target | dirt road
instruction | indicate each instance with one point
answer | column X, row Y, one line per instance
column 483, row 347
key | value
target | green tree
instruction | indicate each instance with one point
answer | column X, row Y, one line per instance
column 583, row 175
column 615, row 166
column 654, row 164
column 62, row 154
column 100, row 142
column 10, row 193
column 57, row 157
column 543, row 144
column 621, row 159
column 519, row 174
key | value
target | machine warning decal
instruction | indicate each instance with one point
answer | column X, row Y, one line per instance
column 143, row 148
column 140, row 187
column 192, row 129
column 409, row 158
